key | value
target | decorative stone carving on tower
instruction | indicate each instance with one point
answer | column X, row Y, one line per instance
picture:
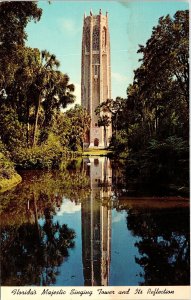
column 96, row 75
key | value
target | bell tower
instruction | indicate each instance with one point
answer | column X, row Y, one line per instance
column 96, row 75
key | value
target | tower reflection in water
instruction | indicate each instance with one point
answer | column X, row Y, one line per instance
column 96, row 223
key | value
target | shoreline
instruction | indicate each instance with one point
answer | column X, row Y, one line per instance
column 7, row 184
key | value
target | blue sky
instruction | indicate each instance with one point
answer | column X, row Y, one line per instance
column 130, row 23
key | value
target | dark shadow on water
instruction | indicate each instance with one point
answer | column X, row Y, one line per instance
column 164, row 247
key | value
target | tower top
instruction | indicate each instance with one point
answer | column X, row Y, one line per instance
column 100, row 13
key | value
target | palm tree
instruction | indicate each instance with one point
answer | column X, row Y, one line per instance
column 51, row 88
column 59, row 95
column 114, row 108
column 104, row 121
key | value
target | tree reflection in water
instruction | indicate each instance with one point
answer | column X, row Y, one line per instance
column 164, row 245
column 32, row 253
column 34, row 246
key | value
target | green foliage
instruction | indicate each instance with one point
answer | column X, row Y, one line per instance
column 50, row 89
column 46, row 156
column 14, row 17
column 6, row 167
column 35, row 91
column 166, row 162
column 155, row 115
column 115, row 109
column 13, row 132
column 3, row 149
column 42, row 246
column 157, row 102
column 173, row 145
column 49, row 187
column 79, row 121
column 119, row 144
column 162, row 93
column 17, row 15
column 8, row 175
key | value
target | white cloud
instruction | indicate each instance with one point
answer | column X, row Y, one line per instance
column 117, row 218
column 68, row 26
column 119, row 77
column 68, row 207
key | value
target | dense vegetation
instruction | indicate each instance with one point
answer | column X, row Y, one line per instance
column 35, row 130
column 151, row 126
column 8, row 176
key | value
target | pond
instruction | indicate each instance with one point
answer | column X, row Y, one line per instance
column 80, row 227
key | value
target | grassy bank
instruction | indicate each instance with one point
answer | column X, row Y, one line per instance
column 96, row 152
column 8, row 176
column 8, row 183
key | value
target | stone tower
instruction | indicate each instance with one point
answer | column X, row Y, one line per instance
column 96, row 75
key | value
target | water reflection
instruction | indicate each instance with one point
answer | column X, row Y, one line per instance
column 32, row 253
column 96, row 224
column 33, row 244
column 164, row 244
column 113, row 240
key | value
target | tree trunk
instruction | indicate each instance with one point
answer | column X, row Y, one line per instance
column 83, row 143
column 104, row 136
column 36, row 121
column 28, row 127
column 116, row 126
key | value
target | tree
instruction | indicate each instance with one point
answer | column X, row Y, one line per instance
column 36, row 90
column 50, row 89
column 15, row 65
column 80, row 124
column 157, row 105
column 104, row 113
column 115, row 108
column 163, row 77
column 104, row 121
column 14, row 17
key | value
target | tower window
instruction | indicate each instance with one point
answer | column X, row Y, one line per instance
column 96, row 38
column 87, row 35
column 104, row 38
column 96, row 70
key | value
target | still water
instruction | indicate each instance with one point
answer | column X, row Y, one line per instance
column 78, row 227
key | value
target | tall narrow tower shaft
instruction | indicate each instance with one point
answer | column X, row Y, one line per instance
column 96, row 75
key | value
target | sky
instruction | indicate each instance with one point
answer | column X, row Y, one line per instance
column 130, row 24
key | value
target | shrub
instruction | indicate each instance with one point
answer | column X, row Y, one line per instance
column 6, row 167
column 45, row 156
